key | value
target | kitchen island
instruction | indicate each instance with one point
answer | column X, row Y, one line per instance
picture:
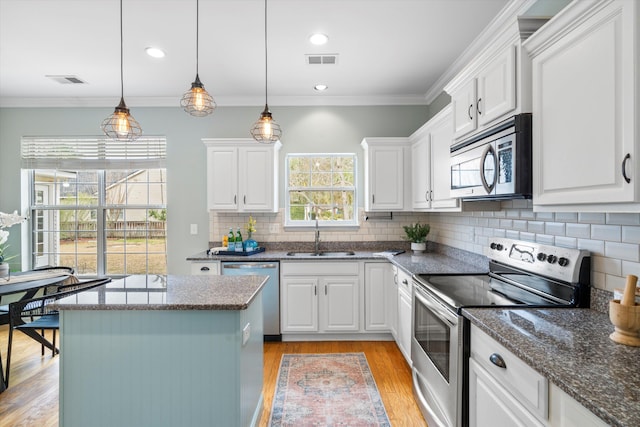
column 163, row 351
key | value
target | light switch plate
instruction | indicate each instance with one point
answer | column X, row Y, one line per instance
column 274, row 228
column 194, row 229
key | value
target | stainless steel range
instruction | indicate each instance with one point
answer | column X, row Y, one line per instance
column 520, row 274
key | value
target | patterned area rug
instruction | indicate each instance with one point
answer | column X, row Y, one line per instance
column 335, row 389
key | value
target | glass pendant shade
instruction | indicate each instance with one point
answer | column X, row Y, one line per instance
column 265, row 130
column 197, row 100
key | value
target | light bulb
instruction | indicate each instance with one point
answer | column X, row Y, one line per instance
column 199, row 102
column 267, row 130
column 122, row 124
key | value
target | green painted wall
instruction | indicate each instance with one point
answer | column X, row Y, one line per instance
column 305, row 129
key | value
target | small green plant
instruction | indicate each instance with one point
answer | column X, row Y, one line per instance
column 416, row 233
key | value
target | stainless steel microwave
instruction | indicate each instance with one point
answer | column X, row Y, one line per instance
column 495, row 164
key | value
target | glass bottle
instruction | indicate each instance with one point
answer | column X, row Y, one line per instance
column 231, row 239
column 238, row 241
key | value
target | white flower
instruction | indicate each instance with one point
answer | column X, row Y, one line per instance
column 7, row 220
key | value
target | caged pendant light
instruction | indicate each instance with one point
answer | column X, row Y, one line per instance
column 265, row 130
column 197, row 100
column 121, row 125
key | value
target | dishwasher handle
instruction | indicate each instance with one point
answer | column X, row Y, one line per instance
column 245, row 266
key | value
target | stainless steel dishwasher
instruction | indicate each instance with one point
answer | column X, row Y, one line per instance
column 270, row 292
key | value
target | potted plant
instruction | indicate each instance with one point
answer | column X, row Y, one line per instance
column 417, row 235
column 6, row 221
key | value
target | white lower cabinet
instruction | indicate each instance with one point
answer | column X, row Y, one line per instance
column 199, row 268
column 403, row 336
column 514, row 394
column 319, row 297
column 380, row 297
column 565, row 411
column 503, row 390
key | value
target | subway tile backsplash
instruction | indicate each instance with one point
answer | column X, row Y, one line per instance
column 612, row 239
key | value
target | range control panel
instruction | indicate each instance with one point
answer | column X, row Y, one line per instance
column 550, row 261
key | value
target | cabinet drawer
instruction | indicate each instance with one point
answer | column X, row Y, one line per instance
column 320, row 268
column 404, row 280
column 205, row 267
column 528, row 386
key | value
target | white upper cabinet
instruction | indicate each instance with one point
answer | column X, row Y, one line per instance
column 430, row 164
column 586, row 95
column 242, row 175
column 387, row 180
column 496, row 84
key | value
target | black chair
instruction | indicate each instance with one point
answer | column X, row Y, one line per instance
column 71, row 279
column 32, row 315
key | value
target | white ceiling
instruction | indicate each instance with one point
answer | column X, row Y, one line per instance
column 390, row 51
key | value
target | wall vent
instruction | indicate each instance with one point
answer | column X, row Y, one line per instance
column 67, row 80
column 324, row 59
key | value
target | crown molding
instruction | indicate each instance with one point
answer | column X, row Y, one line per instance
column 221, row 101
column 512, row 10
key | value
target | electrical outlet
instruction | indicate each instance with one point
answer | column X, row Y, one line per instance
column 274, row 227
column 246, row 334
column 194, row 229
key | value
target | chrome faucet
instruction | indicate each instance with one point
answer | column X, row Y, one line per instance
column 317, row 232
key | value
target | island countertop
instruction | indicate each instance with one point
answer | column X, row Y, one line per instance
column 159, row 292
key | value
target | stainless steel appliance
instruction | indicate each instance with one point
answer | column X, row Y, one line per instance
column 495, row 164
column 520, row 274
column 270, row 292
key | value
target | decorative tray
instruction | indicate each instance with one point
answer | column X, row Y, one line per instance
column 234, row 253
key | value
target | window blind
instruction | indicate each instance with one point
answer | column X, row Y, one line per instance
column 82, row 153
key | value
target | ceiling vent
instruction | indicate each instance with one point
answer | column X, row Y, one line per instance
column 325, row 59
column 67, row 80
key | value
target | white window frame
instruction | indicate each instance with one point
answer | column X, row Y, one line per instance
column 354, row 222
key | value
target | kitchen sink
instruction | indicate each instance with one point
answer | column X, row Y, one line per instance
column 323, row 253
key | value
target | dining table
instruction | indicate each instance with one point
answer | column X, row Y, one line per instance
column 26, row 284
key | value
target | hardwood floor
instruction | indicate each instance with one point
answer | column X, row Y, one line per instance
column 32, row 396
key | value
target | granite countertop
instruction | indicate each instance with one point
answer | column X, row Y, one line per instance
column 170, row 292
column 425, row 263
column 571, row 347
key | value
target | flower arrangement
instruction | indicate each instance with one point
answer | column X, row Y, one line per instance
column 6, row 221
column 251, row 226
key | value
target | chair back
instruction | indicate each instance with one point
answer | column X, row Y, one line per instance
column 41, row 306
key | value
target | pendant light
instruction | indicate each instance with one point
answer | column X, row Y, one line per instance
column 265, row 130
column 121, row 125
column 197, row 101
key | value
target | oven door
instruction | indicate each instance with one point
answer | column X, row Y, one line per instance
column 436, row 354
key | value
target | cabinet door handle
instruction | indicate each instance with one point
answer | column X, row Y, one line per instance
column 204, row 269
column 478, row 106
column 235, row 199
column 426, row 196
column 244, row 199
column 395, row 279
column 469, row 111
column 497, row 360
column 325, row 289
column 373, row 198
column 404, row 282
column 315, row 290
column 624, row 168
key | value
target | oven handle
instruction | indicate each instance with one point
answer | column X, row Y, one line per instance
column 436, row 307
column 489, row 186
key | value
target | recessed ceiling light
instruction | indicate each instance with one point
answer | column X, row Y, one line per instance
column 155, row 52
column 318, row 39
column 320, row 87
